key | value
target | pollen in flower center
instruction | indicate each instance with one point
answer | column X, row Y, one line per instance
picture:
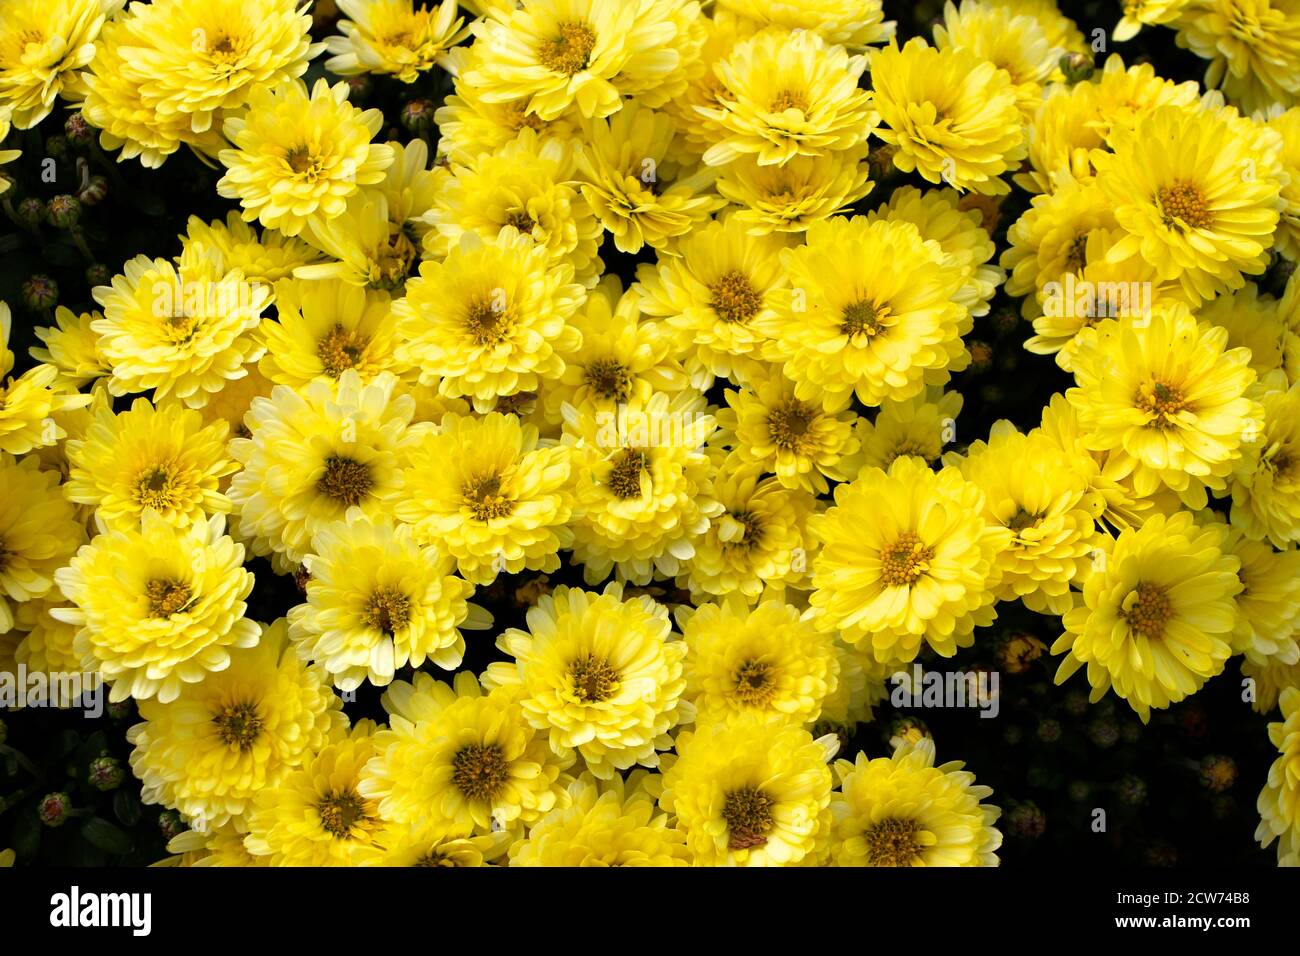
column 1147, row 610
column 340, row 350
column 521, row 220
column 625, row 477
column 609, row 378
column 754, row 683
column 238, row 725
column 4, row 555
column 1022, row 519
column 594, row 680
column 893, row 842
column 154, row 489
column 345, row 480
column 166, row 597
column 788, row 423
column 905, row 560
column 487, row 322
column 301, row 160
column 1182, row 205
column 1161, row 400
column 748, row 815
column 484, row 499
column 480, row 771
column 341, row 811
column 388, row 610
column 569, row 52
column 735, row 299
column 790, row 99
column 862, row 317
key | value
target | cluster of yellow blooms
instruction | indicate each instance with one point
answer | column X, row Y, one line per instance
column 413, row 374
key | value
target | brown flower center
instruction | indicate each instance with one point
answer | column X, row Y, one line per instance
column 345, row 480
column 748, row 815
column 625, row 476
column 594, row 680
column 166, row 597
column 863, row 318
column 340, row 350
column 754, row 683
column 520, row 220
column 1022, row 519
column 905, row 560
column 1161, row 400
column 343, row 811
column 388, row 610
column 569, row 52
column 488, row 322
column 303, row 161
column 609, row 378
column 155, row 488
column 1147, row 610
column 480, row 771
column 484, row 499
column 735, row 299
column 893, row 842
column 788, row 423
column 238, row 725
column 1182, row 206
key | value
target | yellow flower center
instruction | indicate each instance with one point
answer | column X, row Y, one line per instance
column 735, row 299
column 1182, row 205
column 340, row 350
column 521, row 220
column 754, row 683
column 1022, row 519
column 741, row 530
column 304, row 162
column 166, row 597
column 484, row 499
column 225, row 49
column 238, row 725
column 388, row 610
column 625, row 477
column 905, row 560
column 1280, row 462
column 488, row 322
column 569, row 52
column 480, row 771
column 1147, row 610
column 788, row 424
column 790, row 99
column 862, row 317
column 345, row 480
column 593, row 679
column 609, row 378
column 516, row 404
column 1161, row 400
column 908, row 446
column 893, row 842
column 516, row 118
column 394, row 262
column 343, row 811
column 434, row 858
column 156, row 488
column 748, row 815
column 1077, row 256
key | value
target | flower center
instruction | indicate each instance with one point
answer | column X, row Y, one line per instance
column 487, row 322
column 905, row 560
column 1147, row 610
column 393, row 263
column 749, row 528
column 484, row 499
column 908, row 447
column 238, row 725
column 342, row 811
column 754, row 683
column 748, row 815
column 569, row 52
column 1182, row 205
column 226, row 49
column 593, row 679
column 345, row 480
column 790, row 99
column 863, row 317
column 154, row 489
column 625, row 477
column 4, row 555
column 516, row 118
column 340, row 350
column 434, row 858
column 388, row 610
column 520, row 220
column 1280, row 462
column 1161, row 400
column 609, row 378
column 480, row 771
column 166, row 597
column 303, row 161
column 1021, row 520
column 735, row 299
column 1077, row 256
column 893, row 842
column 788, row 423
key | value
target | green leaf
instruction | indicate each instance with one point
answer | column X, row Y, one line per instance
column 127, row 807
column 27, row 833
column 106, row 836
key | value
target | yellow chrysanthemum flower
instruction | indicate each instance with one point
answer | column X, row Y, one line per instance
column 367, row 248
column 852, row 23
column 1146, row 13
column 392, row 36
column 907, row 558
column 791, row 197
column 602, row 675
column 1122, row 95
column 482, row 490
column 1061, row 137
column 902, row 810
column 1287, row 125
column 72, row 347
column 750, row 791
column 1268, row 681
column 1157, row 614
column 29, row 402
column 491, row 319
column 1279, row 801
column 315, row 456
column 953, row 115
column 299, row 155
column 1255, row 321
column 1060, row 30
column 785, row 94
column 223, row 846
column 268, row 257
column 420, row 845
column 1163, row 390
column 1050, row 237
column 1269, row 603
column 1016, row 44
column 1266, row 479
column 920, row 426
column 6, row 155
column 460, row 762
column 410, row 187
column 158, row 607
column 39, row 532
column 48, row 646
column 377, row 601
column 1253, row 47
column 43, row 46
column 870, row 310
column 235, row 734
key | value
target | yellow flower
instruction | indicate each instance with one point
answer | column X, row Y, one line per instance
column 1061, row 137
column 870, row 310
column 607, row 823
column 902, row 810
column 268, row 257
column 392, row 36
column 1279, row 801
column 1140, row 13
column 48, row 646
column 787, row 94
column 1266, row 479
column 907, row 558
column 222, row 846
column 29, row 402
column 1269, row 602
column 146, row 459
column 421, row 845
column 602, row 675
column 1270, row 680
column 1059, row 29
column 1121, row 96
column 750, row 792
column 1050, row 238
column 43, row 46
column 1165, row 392
column 39, row 532
column 235, row 734
column 1255, row 321
column 315, row 456
column 6, row 155
column 1157, row 614
column 298, row 155
column 482, row 490
column 791, row 197
column 1016, row 44
column 920, row 426
column 368, row 249
column 460, row 762
column 491, row 319
column 953, row 115
column 1287, row 125
column 72, row 347
column 852, row 23
column 410, row 187
column 1253, row 47
column 376, row 602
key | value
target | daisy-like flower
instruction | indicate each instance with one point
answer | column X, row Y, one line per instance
column 1269, row 602
column 182, row 331
column 713, row 290
column 851, row 23
column 158, row 607
column 322, row 329
column 902, row 810
column 764, row 660
column 316, row 456
column 632, row 181
column 421, row 845
column 1287, row 124
column 1061, row 137
column 1146, row 13
column 482, row 490
column 642, row 493
column 1122, row 95
column 314, row 816
column 72, row 347
column 377, row 601
column 265, row 257
column 39, row 532
column 791, row 197
column 798, row 441
column 1269, row 680
column 410, row 187
column 1157, row 614
column 787, row 94
column 954, row 116
column 607, row 823
column 1253, row 47
column 1254, row 321
column 460, row 762
column 1279, row 801
column 393, row 36
column 1060, row 30
column 210, row 752
column 907, row 559
column 751, row 791
column 870, row 310
column 1050, row 238
column 491, row 319
column 600, row 674
column 1163, row 390
column 1266, row 479
column 920, row 426
column 297, row 154
column 48, row 646
column 586, row 54
column 1201, row 215
column 1017, row 45
column 368, row 249
column 43, row 48
column 222, row 846
column 164, row 460
column 29, row 402
column 1033, row 488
